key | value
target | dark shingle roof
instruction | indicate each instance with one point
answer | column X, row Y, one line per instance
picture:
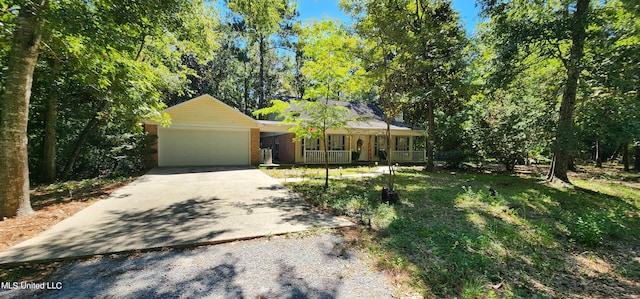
column 370, row 115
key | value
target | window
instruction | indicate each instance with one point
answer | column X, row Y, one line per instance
column 310, row 145
column 336, row 142
column 402, row 143
column 380, row 147
column 379, row 144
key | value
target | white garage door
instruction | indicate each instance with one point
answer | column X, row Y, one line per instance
column 195, row 147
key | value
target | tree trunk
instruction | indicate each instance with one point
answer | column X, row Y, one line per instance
column 261, row 98
column 23, row 56
column 326, row 161
column 625, row 156
column 246, row 90
column 598, row 156
column 552, row 167
column 615, row 154
column 49, row 139
column 565, row 133
column 324, row 144
column 80, row 142
column 636, row 164
column 298, row 75
column 572, row 164
column 388, row 148
column 431, row 135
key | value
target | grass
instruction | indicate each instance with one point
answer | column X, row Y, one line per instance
column 316, row 171
column 451, row 237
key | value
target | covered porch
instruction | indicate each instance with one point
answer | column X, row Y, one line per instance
column 345, row 157
column 344, row 146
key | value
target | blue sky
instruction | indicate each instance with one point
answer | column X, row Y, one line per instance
column 318, row 8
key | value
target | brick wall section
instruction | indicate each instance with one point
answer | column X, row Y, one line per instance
column 287, row 148
column 152, row 160
column 255, row 146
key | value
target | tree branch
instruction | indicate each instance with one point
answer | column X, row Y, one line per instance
column 560, row 56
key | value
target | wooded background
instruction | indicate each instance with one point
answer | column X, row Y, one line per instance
column 543, row 81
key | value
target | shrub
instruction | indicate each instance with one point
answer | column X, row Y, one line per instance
column 589, row 228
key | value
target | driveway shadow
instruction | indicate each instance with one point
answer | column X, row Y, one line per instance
column 176, row 224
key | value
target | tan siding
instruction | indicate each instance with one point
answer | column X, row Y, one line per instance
column 208, row 111
column 298, row 152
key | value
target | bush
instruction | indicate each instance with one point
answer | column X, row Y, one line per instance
column 589, row 228
column 452, row 144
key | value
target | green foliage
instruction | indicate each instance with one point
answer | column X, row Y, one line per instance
column 309, row 119
column 415, row 50
column 507, row 128
column 452, row 236
column 258, row 21
column 354, row 202
column 455, row 146
column 261, row 15
column 589, row 228
column 332, row 69
column 609, row 112
column 109, row 67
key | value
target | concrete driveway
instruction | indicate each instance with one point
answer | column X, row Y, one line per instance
column 171, row 207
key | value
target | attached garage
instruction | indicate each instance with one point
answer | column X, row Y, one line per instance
column 185, row 146
column 206, row 132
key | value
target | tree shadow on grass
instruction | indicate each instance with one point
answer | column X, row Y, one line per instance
column 526, row 236
column 465, row 241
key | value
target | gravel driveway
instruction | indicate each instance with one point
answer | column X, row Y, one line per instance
column 315, row 266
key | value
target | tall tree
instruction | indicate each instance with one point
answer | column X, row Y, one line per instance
column 557, row 27
column 428, row 45
column 263, row 18
column 332, row 73
column 23, row 56
column 332, row 69
column 609, row 115
column 107, row 43
column 310, row 120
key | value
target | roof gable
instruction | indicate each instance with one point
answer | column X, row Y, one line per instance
column 207, row 110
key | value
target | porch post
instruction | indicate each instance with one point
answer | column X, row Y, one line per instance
column 350, row 147
column 411, row 148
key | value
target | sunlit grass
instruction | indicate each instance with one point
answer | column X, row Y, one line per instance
column 612, row 188
column 471, row 235
column 317, row 172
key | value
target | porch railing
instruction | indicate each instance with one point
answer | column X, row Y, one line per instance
column 335, row 157
column 407, row 156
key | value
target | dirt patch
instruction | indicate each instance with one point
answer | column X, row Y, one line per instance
column 53, row 204
column 362, row 241
column 594, row 274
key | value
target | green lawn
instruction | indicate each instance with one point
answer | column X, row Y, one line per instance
column 317, row 171
column 450, row 237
